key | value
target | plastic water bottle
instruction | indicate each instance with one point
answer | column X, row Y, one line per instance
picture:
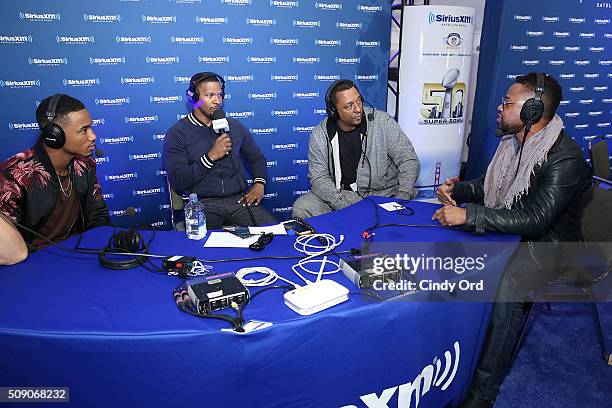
column 195, row 218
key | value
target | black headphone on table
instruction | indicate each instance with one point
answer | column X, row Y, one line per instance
column 52, row 134
column 193, row 95
column 533, row 108
column 330, row 108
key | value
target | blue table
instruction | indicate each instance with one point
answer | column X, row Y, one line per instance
column 117, row 339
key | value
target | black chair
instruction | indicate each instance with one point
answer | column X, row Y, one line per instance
column 600, row 161
column 177, row 205
column 591, row 271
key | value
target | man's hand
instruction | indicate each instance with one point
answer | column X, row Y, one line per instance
column 450, row 216
column 221, row 147
column 445, row 190
column 254, row 195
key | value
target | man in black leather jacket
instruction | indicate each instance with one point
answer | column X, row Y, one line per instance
column 534, row 187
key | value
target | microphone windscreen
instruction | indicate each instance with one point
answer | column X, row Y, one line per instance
column 130, row 211
column 218, row 114
column 499, row 132
column 99, row 152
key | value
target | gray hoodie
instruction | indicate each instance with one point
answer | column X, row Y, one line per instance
column 389, row 169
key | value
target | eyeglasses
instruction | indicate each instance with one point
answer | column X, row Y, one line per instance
column 505, row 101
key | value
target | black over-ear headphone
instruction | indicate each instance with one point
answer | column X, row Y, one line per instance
column 193, row 95
column 128, row 240
column 330, row 108
column 52, row 134
column 533, row 108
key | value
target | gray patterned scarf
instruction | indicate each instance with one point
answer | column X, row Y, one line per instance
column 501, row 188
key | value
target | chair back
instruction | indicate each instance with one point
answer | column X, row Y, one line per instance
column 600, row 159
column 177, row 205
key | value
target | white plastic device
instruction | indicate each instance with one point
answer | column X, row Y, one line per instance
column 317, row 296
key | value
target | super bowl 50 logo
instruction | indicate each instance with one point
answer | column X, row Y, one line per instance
column 443, row 102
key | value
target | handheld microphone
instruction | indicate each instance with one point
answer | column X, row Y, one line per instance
column 99, row 152
column 219, row 122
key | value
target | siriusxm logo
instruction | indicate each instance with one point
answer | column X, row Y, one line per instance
column 302, row 129
column 211, row 20
column 299, row 192
column 106, row 61
column 186, row 40
column 116, row 140
column 585, row 101
column 74, row 40
column 329, row 6
column 512, row 76
column 270, row 195
column 263, row 131
column 595, row 113
column 148, row 192
column 284, row 4
column 321, row 112
column 261, row 22
column 162, row 223
column 121, row 213
column 237, row 40
column 448, row 18
column 300, row 162
column 107, row 196
column 158, row 19
column 97, row 18
column 597, row 49
column 284, row 78
column 535, row 33
column 121, row 177
column 138, row 81
column 239, row 78
column 286, row 146
column 284, row 113
column 306, row 24
column 546, row 48
column 23, row 126
column 81, row 82
column 518, row 17
column 582, row 62
column 306, row 60
column 284, row 179
column 165, row 99
column 604, row 62
column 162, row 60
column 581, row 126
column 182, row 79
column 329, row 78
column 567, row 76
column 112, row 102
column 284, row 41
column 328, row 43
column 531, row 62
column 262, row 96
column 40, row 17
column 572, row 114
column 19, row 84
column 602, row 21
column 104, row 159
column 577, row 20
column 159, row 136
column 261, row 60
column 600, row 88
column 238, row 2
column 561, row 34
column 366, row 77
column 272, row 163
column 576, row 88
column 572, row 48
column 161, row 173
column 586, row 35
column 241, row 115
column 347, row 60
column 591, row 76
column 141, row 119
column 565, row 102
column 603, row 124
column 367, row 44
column 365, row 8
column 47, row 62
column 180, row 116
column 97, row 122
column 305, row 95
column 547, row 19
column 15, row 39
column 282, row 209
column 556, row 62
column 519, row 47
column 212, row 60
column 120, row 39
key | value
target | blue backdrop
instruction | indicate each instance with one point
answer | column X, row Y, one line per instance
column 571, row 40
column 130, row 62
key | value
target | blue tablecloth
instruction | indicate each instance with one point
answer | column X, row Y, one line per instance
column 117, row 338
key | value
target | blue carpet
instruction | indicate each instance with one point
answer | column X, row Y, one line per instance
column 560, row 363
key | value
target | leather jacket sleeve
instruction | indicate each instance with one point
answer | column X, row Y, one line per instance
column 469, row 191
column 551, row 191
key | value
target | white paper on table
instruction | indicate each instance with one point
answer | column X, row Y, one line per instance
column 277, row 229
column 392, row 206
column 218, row 239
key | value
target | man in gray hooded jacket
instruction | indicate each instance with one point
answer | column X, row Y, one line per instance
column 353, row 153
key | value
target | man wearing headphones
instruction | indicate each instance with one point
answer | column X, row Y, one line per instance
column 51, row 188
column 535, row 187
column 200, row 160
column 355, row 152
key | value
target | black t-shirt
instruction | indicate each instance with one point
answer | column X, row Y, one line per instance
column 350, row 152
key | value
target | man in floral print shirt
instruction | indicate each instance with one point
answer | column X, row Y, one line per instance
column 49, row 189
